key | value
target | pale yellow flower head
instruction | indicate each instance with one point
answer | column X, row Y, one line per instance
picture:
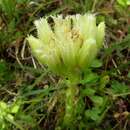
column 69, row 45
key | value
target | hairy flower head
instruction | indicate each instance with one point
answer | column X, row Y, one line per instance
column 68, row 45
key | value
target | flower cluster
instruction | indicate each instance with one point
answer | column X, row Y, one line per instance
column 68, row 45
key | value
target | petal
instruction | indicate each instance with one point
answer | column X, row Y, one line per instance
column 100, row 34
column 86, row 25
column 44, row 30
column 62, row 27
column 87, row 53
column 37, row 48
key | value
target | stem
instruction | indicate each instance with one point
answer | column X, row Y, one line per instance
column 70, row 105
column 122, row 94
column 15, row 123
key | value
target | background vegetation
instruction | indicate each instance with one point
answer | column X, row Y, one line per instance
column 29, row 93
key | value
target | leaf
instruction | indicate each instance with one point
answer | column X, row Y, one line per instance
column 27, row 118
column 96, row 63
column 93, row 114
column 119, row 46
column 88, row 91
column 122, row 2
column 118, row 88
column 104, row 81
column 15, row 108
column 8, row 6
column 44, row 91
column 10, row 117
column 97, row 100
column 80, row 107
column 3, row 105
column 90, row 78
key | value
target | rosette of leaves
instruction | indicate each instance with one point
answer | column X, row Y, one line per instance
column 68, row 46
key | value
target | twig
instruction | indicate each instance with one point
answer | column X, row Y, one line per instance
column 23, row 49
column 33, row 61
column 16, row 54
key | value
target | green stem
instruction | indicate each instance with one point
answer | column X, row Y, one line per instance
column 70, row 105
column 15, row 123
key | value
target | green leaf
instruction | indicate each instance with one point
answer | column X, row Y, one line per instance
column 80, row 107
column 8, row 6
column 97, row 100
column 119, row 88
column 93, row 114
column 90, row 78
column 27, row 118
column 3, row 105
column 88, row 91
column 104, row 81
column 124, row 3
column 15, row 108
column 10, row 117
column 96, row 63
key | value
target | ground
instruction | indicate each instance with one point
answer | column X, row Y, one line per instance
column 32, row 97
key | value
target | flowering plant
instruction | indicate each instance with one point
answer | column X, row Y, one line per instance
column 68, row 47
